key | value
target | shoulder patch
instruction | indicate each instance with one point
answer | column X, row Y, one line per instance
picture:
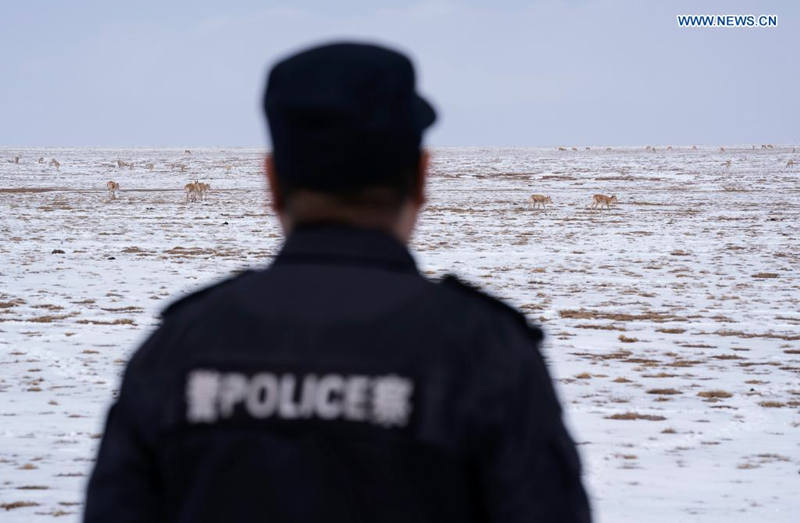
column 194, row 296
column 451, row 280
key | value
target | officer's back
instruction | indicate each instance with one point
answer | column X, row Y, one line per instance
column 338, row 384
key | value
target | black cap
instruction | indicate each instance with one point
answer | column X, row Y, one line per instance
column 344, row 116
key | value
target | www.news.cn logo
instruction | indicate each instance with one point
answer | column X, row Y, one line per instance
column 727, row 20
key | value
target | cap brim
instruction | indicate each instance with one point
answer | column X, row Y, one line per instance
column 424, row 113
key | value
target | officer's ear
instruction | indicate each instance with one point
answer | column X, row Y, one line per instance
column 278, row 201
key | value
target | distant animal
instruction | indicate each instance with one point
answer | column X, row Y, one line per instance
column 15, row 160
column 112, row 188
column 770, row 146
column 562, row 148
column 55, row 163
column 601, row 199
column 540, row 199
column 202, row 189
column 149, row 166
column 122, row 164
column 181, row 167
column 727, row 164
column 722, row 149
column 187, row 151
column 40, row 160
column 192, row 190
column 608, row 148
column 694, row 147
column 228, row 168
column 647, row 147
column 669, row 147
column 790, row 163
column 588, row 148
column 574, row 148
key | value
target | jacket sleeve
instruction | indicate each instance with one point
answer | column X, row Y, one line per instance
column 530, row 469
column 124, row 484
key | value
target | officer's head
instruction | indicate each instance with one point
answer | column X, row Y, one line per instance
column 346, row 127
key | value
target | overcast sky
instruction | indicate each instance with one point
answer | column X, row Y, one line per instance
column 548, row 72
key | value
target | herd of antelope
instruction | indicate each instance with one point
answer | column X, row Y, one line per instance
column 597, row 200
column 196, row 191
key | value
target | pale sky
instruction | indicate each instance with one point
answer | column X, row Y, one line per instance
column 535, row 73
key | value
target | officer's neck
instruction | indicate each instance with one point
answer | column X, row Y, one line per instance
column 399, row 224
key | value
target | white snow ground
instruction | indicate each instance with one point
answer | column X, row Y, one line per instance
column 682, row 304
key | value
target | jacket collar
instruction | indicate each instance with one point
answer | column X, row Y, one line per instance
column 331, row 243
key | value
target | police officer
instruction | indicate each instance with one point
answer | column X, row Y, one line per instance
column 338, row 384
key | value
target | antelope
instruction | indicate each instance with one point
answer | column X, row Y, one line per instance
column 55, row 163
column 790, row 163
column 202, row 189
column 574, row 148
column 41, row 159
column 187, row 151
column 694, row 147
column 228, row 168
column 191, row 191
column 149, row 166
column 722, row 149
column 15, row 160
column 562, row 148
column 112, row 188
column 537, row 199
column 600, row 199
column 608, row 149
column 669, row 147
column 727, row 164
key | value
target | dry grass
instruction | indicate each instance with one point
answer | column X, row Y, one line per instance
column 607, row 327
column 772, row 404
column 626, row 339
column 583, row 314
column 740, row 334
column 664, row 391
column 12, row 303
column 120, row 321
column 765, row 275
column 583, row 376
column 621, row 380
column 18, row 504
column 715, row 394
column 50, row 318
column 635, row 416
column 675, row 330
column 659, row 375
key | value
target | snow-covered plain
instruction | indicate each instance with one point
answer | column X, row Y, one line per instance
column 673, row 319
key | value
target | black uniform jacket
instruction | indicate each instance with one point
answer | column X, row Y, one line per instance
column 338, row 385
